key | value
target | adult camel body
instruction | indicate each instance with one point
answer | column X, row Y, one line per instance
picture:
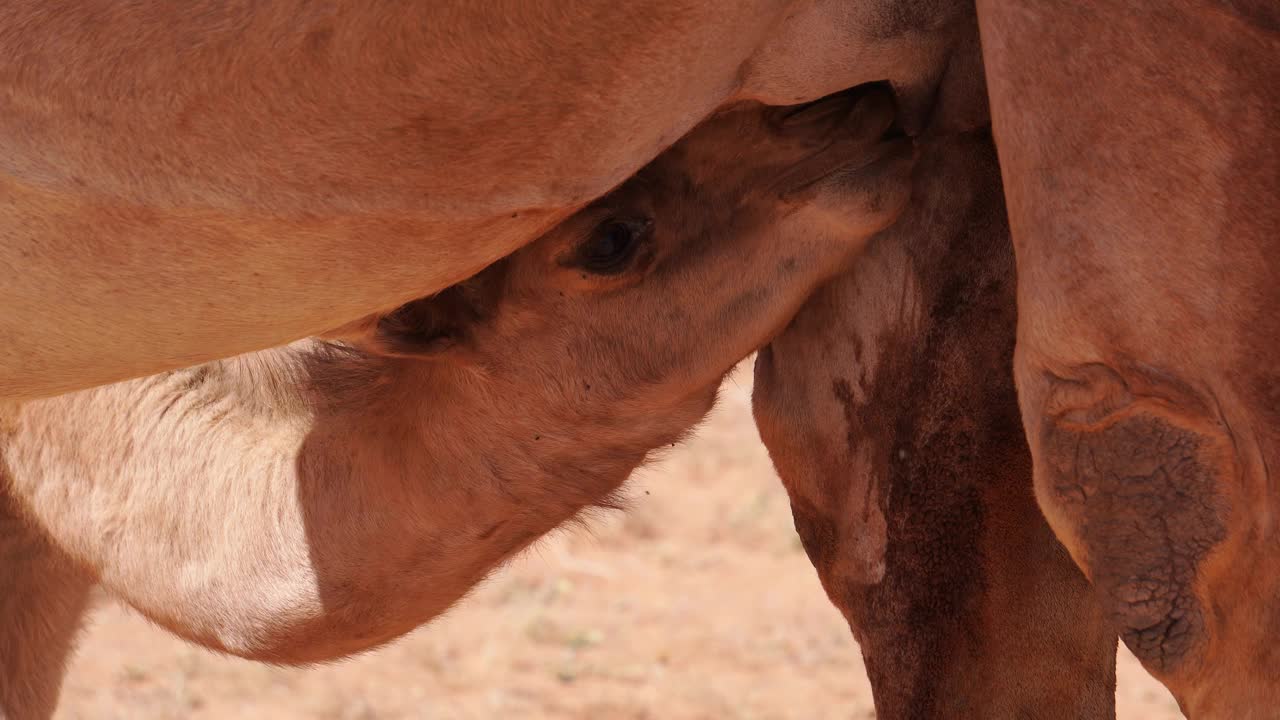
column 154, row 162
column 186, row 181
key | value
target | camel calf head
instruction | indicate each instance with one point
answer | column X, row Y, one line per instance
column 648, row 296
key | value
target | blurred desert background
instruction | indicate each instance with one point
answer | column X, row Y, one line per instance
column 697, row 603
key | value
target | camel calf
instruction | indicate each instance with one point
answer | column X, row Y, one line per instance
column 308, row 502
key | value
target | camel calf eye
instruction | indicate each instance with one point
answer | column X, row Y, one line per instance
column 612, row 246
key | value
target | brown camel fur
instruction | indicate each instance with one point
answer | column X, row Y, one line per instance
column 181, row 182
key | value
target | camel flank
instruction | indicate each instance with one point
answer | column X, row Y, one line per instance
column 186, row 182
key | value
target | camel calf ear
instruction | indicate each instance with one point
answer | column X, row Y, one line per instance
column 425, row 328
column 443, row 324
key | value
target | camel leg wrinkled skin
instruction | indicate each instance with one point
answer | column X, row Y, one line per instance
column 1140, row 148
column 43, row 596
column 889, row 410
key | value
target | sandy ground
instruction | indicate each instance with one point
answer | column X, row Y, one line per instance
column 698, row 603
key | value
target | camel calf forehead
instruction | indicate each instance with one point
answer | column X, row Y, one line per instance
column 686, row 268
column 746, row 136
